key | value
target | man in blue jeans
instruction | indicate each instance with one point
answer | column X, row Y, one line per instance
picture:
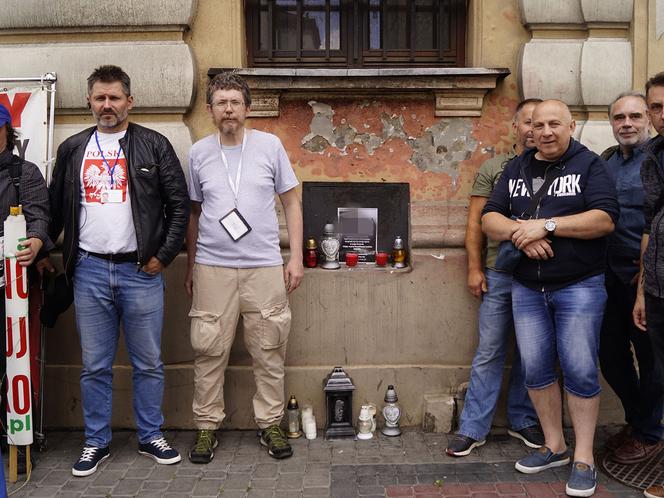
column 558, row 293
column 495, row 319
column 119, row 193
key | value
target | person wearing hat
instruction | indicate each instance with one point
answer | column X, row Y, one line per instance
column 31, row 194
column 21, row 182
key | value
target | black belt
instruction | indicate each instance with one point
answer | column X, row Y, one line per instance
column 121, row 257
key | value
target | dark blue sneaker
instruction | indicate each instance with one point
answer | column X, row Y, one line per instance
column 582, row 481
column 460, row 445
column 160, row 451
column 540, row 460
column 89, row 460
column 532, row 436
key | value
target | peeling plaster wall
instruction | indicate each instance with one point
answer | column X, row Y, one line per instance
column 391, row 140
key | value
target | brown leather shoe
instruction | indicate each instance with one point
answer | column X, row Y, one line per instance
column 634, row 451
column 654, row 492
column 618, row 439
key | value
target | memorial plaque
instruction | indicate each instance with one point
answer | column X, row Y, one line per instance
column 354, row 208
column 358, row 229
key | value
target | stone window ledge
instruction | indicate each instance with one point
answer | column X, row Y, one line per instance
column 457, row 92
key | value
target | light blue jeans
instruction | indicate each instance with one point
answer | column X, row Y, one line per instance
column 105, row 295
column 486, row 375
column 563, row 324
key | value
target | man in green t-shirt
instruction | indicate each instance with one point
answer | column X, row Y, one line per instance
column 495, row 320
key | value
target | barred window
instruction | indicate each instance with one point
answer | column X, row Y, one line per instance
column 356, row 33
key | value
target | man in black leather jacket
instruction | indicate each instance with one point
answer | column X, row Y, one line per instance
column 119, row 193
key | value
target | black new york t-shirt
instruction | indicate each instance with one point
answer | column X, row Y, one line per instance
column 538, row 170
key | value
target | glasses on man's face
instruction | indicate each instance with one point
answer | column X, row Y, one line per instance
column 223, row 104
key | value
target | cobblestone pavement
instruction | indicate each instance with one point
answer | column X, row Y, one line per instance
column 411, row 465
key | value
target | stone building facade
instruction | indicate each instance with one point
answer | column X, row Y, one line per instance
column 429, row 127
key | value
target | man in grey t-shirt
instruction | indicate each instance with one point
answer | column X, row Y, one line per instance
column 235, row 265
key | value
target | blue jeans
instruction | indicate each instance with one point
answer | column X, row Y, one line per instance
column 105, row 294
column 563, row 324
column 486, row 374
column 3, row 486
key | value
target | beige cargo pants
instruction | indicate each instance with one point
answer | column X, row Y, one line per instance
column 220, row 296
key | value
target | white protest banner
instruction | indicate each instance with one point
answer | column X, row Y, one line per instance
column 19, row 392
column 28, row 109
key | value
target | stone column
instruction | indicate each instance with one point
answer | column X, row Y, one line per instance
column 580, row 52
column 72, row 38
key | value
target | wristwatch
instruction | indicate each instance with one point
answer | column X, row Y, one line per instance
column 550, row 225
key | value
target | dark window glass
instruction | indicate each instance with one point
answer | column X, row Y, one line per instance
column 285, row 25
column 425, row 23
column 356, row 33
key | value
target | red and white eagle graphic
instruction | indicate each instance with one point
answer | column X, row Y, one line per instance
column 97, row 179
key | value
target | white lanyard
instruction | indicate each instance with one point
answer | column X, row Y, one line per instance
column 235, row 187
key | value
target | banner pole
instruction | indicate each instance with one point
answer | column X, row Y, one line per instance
column 52, row 77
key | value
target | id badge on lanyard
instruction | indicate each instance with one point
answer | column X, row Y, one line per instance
column 233, row 222
column 111, row 197
column 235, row 225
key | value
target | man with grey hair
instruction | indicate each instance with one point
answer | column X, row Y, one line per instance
column 638, row 438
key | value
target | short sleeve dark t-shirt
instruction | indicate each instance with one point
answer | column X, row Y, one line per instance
column 538, row 171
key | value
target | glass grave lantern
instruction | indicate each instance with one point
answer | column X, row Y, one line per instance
column 339, row 389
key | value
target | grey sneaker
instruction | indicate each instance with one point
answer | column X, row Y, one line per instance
column 582, row 481
column 275, row 441
column 203, row 449
column 540, row 460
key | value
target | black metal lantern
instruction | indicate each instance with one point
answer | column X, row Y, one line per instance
column 339, row 389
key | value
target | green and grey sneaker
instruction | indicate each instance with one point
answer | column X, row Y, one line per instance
column 203, row 449
column 275, row 441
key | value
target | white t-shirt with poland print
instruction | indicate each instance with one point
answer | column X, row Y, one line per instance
column 106, row 224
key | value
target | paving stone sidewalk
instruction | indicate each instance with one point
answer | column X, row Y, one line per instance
column 411, row 465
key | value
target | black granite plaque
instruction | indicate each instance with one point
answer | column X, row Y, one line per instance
column 321, row 202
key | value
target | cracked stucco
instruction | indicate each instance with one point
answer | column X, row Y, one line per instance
column 440, row 149
column 443, row 146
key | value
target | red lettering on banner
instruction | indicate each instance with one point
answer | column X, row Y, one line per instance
column 8, row 279
column 9, row 345
column 21, row 281
column 15, row 109
column 22, row 389
column 22, row 337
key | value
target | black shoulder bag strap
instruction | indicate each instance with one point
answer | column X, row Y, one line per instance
column 15, row 168
column 537, row 196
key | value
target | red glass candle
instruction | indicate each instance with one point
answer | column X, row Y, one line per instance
column 351, row 258
column 311, row 253
column 310, row 258
column 381, row 259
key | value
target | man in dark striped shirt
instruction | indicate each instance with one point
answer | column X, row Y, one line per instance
column 32, row 194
